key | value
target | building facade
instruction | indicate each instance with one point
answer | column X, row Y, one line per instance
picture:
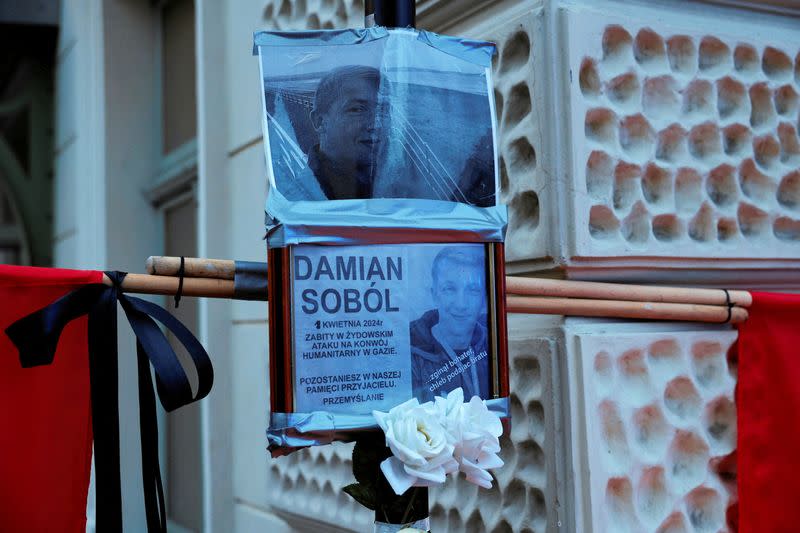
column 640, row 141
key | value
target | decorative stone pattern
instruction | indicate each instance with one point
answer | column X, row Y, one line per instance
column 659, row 421
column 523, row 496
column 313, row 14
column 309, row 483
column 522, row 181
column 685, row 142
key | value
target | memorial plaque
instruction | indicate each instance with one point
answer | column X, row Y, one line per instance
column 375, row 325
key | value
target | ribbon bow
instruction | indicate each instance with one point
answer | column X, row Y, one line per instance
column 36, row 337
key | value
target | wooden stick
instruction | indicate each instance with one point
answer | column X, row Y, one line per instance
column 145, row 284
column 224, row 269
column 193, row 267
column 618, row 291
column 221, row 288
column 624, row 309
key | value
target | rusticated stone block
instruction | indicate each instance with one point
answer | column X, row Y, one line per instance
column 309, row 484
column 653, row 418
column 684, row 142
column 519, row 135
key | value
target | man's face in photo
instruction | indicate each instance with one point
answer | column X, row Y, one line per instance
column 459, row 294
column 347, row 129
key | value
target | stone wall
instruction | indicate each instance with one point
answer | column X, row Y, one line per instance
column 653, row 424
column 684, row 140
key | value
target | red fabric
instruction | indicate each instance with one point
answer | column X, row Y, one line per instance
column 768, row 412
column 45, row 418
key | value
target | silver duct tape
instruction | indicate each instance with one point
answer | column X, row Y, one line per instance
column 318, row 37
column 290, row 431
column 477, row 52
column 250, row 281
column 411, row 223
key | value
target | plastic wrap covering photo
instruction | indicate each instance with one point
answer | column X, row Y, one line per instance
column 396, row 126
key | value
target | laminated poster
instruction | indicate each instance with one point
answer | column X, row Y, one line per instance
column 375, row 325
column 377, row 113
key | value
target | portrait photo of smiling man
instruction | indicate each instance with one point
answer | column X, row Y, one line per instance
column 449, row 344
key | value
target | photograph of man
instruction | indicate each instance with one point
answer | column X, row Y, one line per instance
column 449, row 344
column 359, row 132
column 345, row 119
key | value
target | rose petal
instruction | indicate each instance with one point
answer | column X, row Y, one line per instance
column 442, row 458
column 405, row 406
column 450, row 466
column 425, row 483
column 435, row 475
column 400, row 438
column 481, row 482
column 404, row 453
column 471, row 469
column 396, row 475
column 381, row 419
column 455, row 396
column 489, row 461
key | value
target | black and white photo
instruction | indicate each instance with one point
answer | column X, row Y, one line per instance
column 392, row 117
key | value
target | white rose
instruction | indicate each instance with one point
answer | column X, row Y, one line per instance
column 478, row 442
column 422, row 454
column 450, row 411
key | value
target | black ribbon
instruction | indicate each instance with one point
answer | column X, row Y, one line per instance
column 179, row 292
column 36, row 337
column 730, row 306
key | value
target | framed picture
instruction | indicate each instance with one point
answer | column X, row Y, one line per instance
column 362, row 328
column 377, row 113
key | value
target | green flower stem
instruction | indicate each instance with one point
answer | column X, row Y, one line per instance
column 411, row 500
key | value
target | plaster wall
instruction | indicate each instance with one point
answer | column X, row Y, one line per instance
column 77, row 226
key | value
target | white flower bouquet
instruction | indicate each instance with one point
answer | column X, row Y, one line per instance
column 437, row 438
column 426, row 442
